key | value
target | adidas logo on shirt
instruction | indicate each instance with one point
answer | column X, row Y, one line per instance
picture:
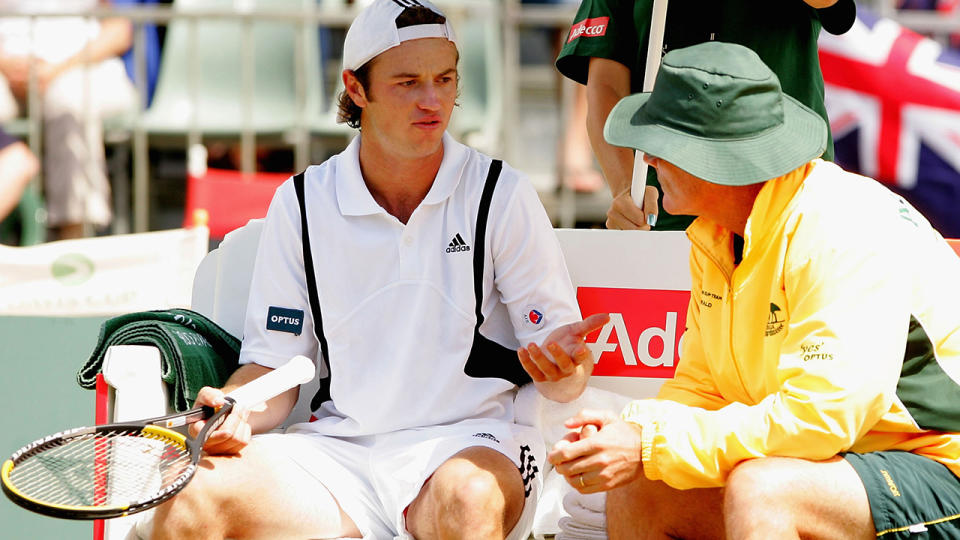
column 457, row 244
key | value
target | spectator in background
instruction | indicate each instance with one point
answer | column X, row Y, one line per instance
column 579, row 172
column 151, row 50
column 606, row 51
column 80, row 80
column 17, row 166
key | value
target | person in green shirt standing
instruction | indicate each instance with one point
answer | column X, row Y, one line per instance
column 606, row 50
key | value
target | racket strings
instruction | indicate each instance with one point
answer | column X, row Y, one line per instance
column 101, row 469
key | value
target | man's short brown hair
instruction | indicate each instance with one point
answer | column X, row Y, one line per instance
column 349, row 112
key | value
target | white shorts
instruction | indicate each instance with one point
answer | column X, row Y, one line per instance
column 375, row 478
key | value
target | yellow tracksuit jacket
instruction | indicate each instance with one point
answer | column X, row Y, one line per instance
column 838, row 331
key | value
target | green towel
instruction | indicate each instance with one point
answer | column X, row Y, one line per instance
column 194, row 351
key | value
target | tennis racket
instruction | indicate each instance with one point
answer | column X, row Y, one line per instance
column 118, row 469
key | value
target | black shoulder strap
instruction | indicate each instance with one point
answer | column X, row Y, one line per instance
column 323, row 394
column 480, row 239
column 489, row 359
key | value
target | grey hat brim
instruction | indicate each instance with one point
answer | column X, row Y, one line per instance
column 733, row 162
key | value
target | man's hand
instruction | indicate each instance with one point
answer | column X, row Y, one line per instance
column 233, row 434
column 624, row 214
column 16, row 69
column 601, row 453
column 47, row 72
column 566, row 359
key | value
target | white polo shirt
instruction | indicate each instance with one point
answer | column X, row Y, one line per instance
column 397, row 301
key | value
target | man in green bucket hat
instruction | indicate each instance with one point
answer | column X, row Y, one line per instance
column 817, row 393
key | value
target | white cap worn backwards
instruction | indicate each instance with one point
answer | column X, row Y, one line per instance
column 375, row 30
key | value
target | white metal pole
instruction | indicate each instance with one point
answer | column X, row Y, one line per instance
column 658, row 20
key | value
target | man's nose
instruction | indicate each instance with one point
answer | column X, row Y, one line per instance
column 429, row 97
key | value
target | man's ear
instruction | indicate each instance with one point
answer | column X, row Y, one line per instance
column 354, row 89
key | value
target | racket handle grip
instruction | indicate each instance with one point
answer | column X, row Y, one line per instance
column 297, row 371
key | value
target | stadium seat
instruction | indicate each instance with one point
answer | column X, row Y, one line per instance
column 18, row 127
column 225, row 200
column 323, row 120
column 27, row 224
column 645, row 292
column 324, row 127
column 477, row 120
column 214, row 103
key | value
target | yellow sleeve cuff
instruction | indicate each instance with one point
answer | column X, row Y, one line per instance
column 641, row 413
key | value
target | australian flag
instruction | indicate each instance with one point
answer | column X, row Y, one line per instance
column 893, row 99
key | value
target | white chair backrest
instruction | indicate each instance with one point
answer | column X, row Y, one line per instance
column 642, row 279
column 221, row 289
column 222, row 282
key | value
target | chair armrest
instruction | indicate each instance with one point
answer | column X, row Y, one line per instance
column 135, row 389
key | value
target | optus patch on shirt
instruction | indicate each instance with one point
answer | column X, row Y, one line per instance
column 285, row 320
column 595, row 27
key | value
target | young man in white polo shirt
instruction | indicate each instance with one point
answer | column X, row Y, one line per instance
column 414, row 269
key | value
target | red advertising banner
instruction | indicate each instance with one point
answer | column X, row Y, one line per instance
column 643, row 336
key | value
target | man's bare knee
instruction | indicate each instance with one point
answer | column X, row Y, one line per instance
column 192, row 513
column 796, row 498
column 477, row 495
column 766, row 481
column 474, row 491
column 477, row 492
column 760, row 495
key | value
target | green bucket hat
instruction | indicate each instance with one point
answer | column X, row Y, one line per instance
column 717, row 112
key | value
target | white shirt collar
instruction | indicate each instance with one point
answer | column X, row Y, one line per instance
column 354, row 199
